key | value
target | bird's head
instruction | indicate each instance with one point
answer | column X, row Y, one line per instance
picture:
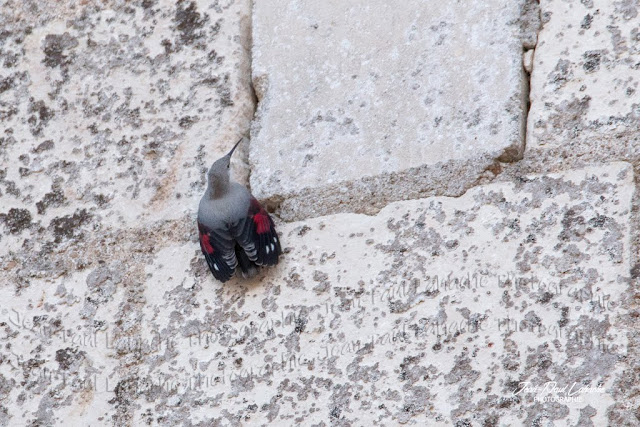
column 218, row 175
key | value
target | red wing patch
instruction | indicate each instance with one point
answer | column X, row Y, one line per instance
column 204, row 238
column 262, row 223
column 260, row 236
column 216, row 253
column 205, row 244
column 260, row 217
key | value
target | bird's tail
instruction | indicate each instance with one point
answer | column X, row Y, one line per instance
column 248, row 267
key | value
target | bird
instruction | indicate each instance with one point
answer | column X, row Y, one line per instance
column 234, row 228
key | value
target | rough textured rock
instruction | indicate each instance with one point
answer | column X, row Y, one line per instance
column 431, row 312
column 424, row 103
column 118, row 107
column 434, row 310
column 584, row 85
column 111, row 111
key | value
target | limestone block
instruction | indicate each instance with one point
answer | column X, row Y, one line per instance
column 118, row 108
column 584, row 85
column 362, row 103
column 436, row 311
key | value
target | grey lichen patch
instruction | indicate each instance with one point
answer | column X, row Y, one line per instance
column 44, row 146
column 58, row 50
column 55, row 198
column 190, row 23
column 16, row 220
column 69, row 226
column 40, row 116
column 68, row 357
column 323, row 282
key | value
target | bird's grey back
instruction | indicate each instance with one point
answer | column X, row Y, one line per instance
column 227, row 210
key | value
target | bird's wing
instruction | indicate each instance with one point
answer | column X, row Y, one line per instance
column 218, row 249
column 257, row 235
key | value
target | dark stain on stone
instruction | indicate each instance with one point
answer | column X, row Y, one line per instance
column 592, row 61
column 304, row 230
column 564, row 317
column 545, row 297
column 44, row 113
column 190, row 22
column 40, row 116
column 562, row 73
column 66, row 226
column 6, row 84
column 214, row 57
column 10, row 186
column 44, row 146
column 16, row 220
column 7, row 113
column 30, row 365
column 93, row 128
column 126, row 391
column 53, row 199
column 410, row 369
column 101, row 199
column 335, row 413
column 508, row 401
column 187, row 121
column 574, row 226
column 168, row 46
column 598, row 221
column 301, row 323
column 55, row 47
column 225, row 97
column 491, row 421
column 67, row 356
column 222, row 88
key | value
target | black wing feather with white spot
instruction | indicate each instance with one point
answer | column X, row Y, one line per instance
column 218, row 250
column 258, row 237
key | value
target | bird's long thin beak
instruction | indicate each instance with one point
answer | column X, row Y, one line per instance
column 234, row 147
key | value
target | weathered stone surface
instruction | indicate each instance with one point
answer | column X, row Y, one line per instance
column 111, row 111
column 118, row 107
column 357, row 109
column 584, row 85
column 433, row 311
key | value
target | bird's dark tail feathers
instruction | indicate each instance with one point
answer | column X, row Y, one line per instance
column 248, row 267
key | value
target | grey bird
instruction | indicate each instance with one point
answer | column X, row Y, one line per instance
column 235, row 230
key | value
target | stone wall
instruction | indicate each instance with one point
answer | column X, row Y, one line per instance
column 455, row 185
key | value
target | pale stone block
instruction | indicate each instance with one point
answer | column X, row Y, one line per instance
column 584, row 85
column 434, row 310
column 363, row 103
column 120, row 108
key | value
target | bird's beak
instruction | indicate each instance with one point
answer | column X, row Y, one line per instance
column 234, row 147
